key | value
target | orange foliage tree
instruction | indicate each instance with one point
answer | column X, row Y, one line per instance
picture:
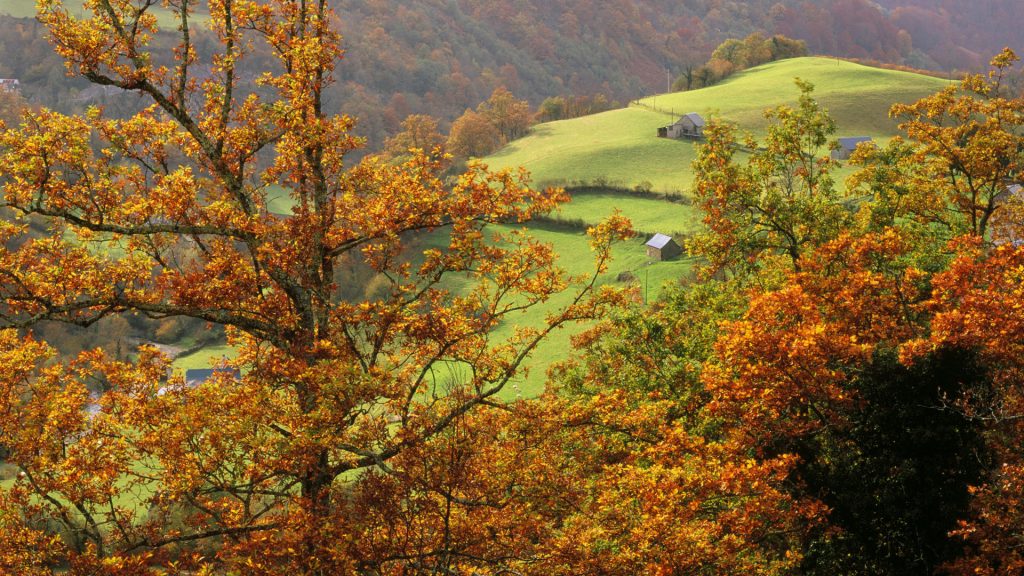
column 347, row 410
column 512, row 117
column 882, row 360
column 419, row 132
column 977, row 305
column 473, row 135
column 969, row 148
column 654, row 483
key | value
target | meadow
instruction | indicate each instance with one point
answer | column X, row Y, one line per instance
column 619, row 150
column 618, row 147
column 575, row 256
column 621, row 147
column 649, row 214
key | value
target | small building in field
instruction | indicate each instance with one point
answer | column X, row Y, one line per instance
column 9, row 85
column 197, row 376
column 688, row 126
column 1011, row 192
column 847, row 146
column 661, row 247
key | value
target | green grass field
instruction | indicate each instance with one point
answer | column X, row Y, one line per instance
column 621, row 145
column 576, row 258
column 650, row 215
column 621, row 148
column 206, row 357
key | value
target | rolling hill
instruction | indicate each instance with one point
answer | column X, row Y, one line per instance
column 621, row 147
column 619, row 150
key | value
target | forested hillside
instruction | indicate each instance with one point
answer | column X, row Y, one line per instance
column 956, row 33
column 440, row 57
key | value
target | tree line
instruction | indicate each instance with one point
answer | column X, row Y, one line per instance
column 441, row 58
column 735, row 55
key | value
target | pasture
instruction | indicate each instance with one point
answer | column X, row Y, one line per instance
column 574, row 255
column 620, row 149
column 621, row 146
column 649, row 214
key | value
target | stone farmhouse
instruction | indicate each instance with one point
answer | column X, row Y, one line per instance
column 688, row 126
column 661, row 247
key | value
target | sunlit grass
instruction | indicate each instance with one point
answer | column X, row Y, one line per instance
column 648, row 214
column 621, row 146
column 206, row 357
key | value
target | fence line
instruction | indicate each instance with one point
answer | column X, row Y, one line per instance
column 653, row 107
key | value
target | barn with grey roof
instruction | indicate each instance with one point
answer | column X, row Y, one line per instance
column 847, row 146
column 688, row 126
column 197, row 376
column 662, row 247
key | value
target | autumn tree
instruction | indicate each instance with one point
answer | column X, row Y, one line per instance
column 473, row 136
column 734, row 55
column 757, row 50
column 657, row 484
column 970, row 147
column 888, row 360
column 11, row 107
column 511, row 116
column 782, row 47
column 813, row 369
column 562, row 107
column 419, row 132
column 976, row 306
column 783, row 201
column 732, row 51
column 885, row 358
column 164, row 215
column 552, row 108
column 796, row 390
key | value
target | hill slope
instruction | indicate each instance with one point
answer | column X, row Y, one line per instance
column 621, row 146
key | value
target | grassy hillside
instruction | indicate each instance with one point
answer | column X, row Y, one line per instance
column 621, row 145
column 858, row 97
